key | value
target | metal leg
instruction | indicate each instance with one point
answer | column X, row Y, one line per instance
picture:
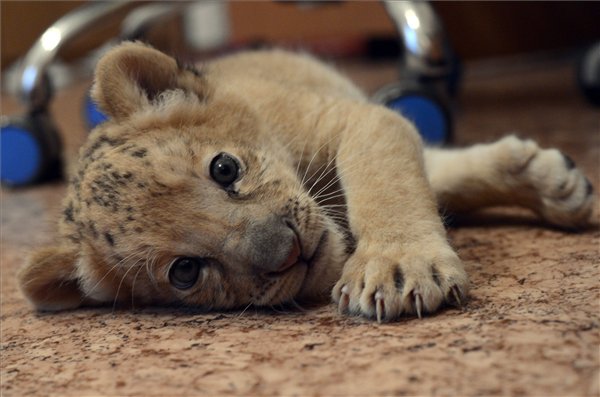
column 428, row 71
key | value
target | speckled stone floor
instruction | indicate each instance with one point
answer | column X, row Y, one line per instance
column 531, row 326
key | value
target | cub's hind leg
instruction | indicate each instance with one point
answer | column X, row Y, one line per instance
column 511, row 171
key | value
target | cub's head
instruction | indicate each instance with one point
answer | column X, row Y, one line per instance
column 181, row 198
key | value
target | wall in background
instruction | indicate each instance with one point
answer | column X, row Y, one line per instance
column 476, row 29
column 494, row 28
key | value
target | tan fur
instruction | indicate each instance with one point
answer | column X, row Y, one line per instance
column 318, row 161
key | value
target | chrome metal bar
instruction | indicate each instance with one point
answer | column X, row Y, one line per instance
column 32, row 88
column 426, row 51
column 139, row 20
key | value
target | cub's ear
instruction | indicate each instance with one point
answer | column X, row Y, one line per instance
column 49, row 279
column 133, row 74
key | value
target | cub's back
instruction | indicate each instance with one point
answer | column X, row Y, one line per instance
column 291, row 70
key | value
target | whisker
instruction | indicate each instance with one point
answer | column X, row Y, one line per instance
column 339, row 175
column 91, row 290
column 301, row 156
column 121, row 283
column 133, row 286
column 244, row 311
column 326, row 170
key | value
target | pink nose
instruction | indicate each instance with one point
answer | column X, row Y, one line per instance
column 293, row 256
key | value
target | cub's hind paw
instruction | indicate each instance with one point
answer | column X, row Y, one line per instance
column 382, row 288
column 550, row 182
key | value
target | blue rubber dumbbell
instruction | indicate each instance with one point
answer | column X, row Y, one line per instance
column 428, row 111
column 30, row 150
column 92, row 114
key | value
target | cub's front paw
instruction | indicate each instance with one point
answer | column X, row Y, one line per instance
column 384, row 286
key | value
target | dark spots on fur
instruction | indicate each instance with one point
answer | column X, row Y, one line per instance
column 349, row 242
column 435, row 274
column 121, row 178
column 288, row 205
column 130, row 218
column 106, row 188
column 105, row 192
column 80, row 227
column 569, row 163
column 399, row 279
column 92, row 229
column 563, row 186
column 589, row 188
column 138, row 229
column 141, row 185
column 128, row 147
column 129, row 209
column 102, row 141
column 140, row 153
column 109, row 239
column 263, row 286
column 122, row 229
column 68, row 213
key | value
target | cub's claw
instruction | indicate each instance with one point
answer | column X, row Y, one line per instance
column 344, row 300
column 456, row 295
column 379, row 306
column 418, row 303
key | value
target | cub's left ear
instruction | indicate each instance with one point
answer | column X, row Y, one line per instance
column 49, row 279
column 132, row 74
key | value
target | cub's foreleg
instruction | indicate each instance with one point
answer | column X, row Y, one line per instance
column 511, row 171
column 402, row 262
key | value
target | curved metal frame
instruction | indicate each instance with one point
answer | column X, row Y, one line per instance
column 426, row 53
column 34, row 87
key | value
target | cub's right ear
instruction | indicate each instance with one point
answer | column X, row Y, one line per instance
column 131, row 75
column 49, row 279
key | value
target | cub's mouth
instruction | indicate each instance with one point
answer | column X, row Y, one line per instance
column 297, row 257
column 297, row 272
column 294, row 258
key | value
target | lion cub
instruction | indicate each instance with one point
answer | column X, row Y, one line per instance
column 268, row 178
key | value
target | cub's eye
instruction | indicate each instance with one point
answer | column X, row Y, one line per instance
column 224, row 169
column 184, row 272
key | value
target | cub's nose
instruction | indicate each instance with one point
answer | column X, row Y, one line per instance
column 272, row 246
